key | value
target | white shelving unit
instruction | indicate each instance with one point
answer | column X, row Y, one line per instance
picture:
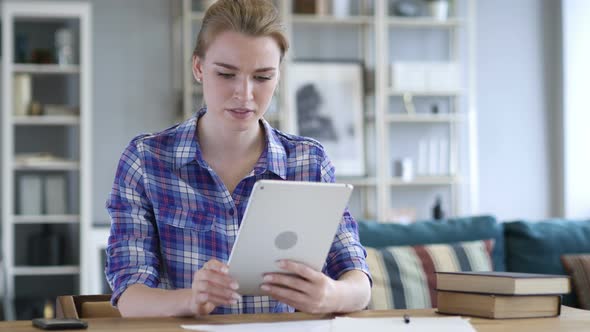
column 457, row 119
column 78, row 133
column 374, row 24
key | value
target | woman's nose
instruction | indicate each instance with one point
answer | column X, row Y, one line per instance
column 243, row 89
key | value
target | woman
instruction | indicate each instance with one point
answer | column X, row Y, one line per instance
column 180, row 194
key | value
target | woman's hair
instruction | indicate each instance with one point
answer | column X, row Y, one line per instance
column 257, row 18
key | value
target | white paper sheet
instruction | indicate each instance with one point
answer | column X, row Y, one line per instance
column 439, row 324
column 346, row 324
column 296, row 326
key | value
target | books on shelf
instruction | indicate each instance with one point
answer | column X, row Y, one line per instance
column 30, row 199
column 509, row 283
column 40, row 194
column 498, row 306
column 55, row 194
column 500, row 294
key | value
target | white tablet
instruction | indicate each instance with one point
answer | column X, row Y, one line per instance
column 286, row 220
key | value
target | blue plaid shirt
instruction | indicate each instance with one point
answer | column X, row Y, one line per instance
column 171, row 212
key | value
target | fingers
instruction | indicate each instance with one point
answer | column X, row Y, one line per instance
column 210, row 290
column 301, row 270
column 212, row 287
column 279, row 292
column 216, row 265
column 304, row 288
column 289, row 281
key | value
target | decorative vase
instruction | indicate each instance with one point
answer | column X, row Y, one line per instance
column 438, row 10
column 341, row 8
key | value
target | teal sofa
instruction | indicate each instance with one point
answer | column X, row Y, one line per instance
column 520, row 246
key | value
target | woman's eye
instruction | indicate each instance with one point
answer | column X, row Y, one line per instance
column 225, row 75
column 263, row 78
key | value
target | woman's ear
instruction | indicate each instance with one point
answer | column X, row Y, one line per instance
column 197, row 68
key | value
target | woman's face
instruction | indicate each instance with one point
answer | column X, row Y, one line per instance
column 239, row 75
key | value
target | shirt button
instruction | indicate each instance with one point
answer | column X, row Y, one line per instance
column 231, row 212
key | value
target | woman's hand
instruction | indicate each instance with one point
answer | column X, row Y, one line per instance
column 306, row 290
column 212, row 286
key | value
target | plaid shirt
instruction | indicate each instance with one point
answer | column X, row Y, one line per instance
column 171, row 213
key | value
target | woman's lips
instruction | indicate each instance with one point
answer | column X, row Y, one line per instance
column 240, row 113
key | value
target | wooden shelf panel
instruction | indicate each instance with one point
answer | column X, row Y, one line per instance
column 423, row 22
column 45, row 270
column 326, row 19
column 47, row 120
column 423, row 118
column 441, row 93
column 47, row 219
column 46, row 165
column 45, row 69
column 424, row 181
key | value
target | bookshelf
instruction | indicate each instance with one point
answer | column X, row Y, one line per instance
column 46, row 157
column 373, row 35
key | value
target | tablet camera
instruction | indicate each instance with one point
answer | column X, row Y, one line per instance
column 286, row 240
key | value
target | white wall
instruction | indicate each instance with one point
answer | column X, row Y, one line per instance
column 516, row 57
column 576, row 77
column 132, row 82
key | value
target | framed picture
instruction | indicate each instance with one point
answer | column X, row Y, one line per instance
column 326, row 99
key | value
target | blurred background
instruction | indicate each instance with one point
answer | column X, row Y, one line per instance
column 432, row 109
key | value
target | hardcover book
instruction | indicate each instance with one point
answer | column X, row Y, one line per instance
column 508, row 283
column 498, row 306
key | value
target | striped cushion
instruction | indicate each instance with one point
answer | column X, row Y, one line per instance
column 578, row 267
column 404, row 277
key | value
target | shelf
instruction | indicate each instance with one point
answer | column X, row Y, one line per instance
column 318, row 19
column 376, row 47
column 424, row 181
column 441, row 93
column 47, row 219
column 423, row 22
column 46, row 69
column 47, row 120
column 46, row 270
column 358, row 182
column 422, row 118
column 46, row 165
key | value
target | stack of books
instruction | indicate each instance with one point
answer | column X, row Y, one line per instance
column 500, row 294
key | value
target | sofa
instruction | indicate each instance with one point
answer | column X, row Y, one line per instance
column 515, row 246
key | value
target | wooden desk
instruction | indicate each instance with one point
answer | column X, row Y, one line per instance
column 570, row 320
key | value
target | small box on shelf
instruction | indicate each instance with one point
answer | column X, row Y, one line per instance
column 22, row 94
column 425, row 76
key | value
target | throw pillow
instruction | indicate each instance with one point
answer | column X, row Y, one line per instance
column 380, row 235
column 578, row 267
column 536, row 247
column 404, row 277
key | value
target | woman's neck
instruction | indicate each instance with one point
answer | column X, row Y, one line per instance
column 222, row 144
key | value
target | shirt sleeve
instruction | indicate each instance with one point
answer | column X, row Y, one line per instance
column 132, row 251
column 347, row 253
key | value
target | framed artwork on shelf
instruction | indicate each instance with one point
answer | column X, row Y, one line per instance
column 326, row 99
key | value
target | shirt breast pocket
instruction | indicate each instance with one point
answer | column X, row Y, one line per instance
column 187, row 220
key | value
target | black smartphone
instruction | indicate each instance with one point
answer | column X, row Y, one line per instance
column 60, row 324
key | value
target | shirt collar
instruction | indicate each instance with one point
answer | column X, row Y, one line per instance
column 274, row 157
column 187, row 149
